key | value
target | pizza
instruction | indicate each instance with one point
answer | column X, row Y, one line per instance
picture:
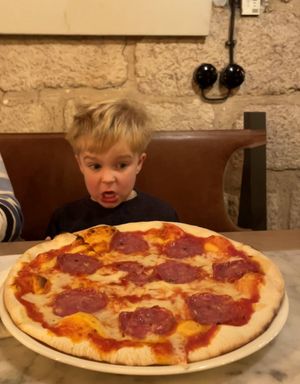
column 147, row 293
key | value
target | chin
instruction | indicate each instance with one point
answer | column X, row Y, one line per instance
column 109, row 205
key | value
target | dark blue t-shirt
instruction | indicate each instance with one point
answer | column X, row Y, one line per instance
column 85, row 213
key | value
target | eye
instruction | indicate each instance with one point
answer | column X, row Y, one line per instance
column 94, row 166
column 122, row 165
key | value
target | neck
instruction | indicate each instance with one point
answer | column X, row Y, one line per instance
column 132, row 195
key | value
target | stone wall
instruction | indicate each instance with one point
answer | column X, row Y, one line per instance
column 42, row 78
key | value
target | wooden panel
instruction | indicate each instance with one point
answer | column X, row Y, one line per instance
column 106, row 17
column 253, row 197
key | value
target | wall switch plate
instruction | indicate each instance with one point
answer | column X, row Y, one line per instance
column 250, row 7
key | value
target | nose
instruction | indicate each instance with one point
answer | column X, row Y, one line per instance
column 107, row 176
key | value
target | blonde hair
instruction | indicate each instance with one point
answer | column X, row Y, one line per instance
column 96, row 127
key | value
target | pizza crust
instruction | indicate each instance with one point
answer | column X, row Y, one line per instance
column 84, row 349
column 16, row 310
column 227, row 338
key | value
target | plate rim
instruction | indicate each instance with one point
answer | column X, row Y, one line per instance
column 253, row 346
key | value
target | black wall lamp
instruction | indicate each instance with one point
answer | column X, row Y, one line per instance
column 231, row 76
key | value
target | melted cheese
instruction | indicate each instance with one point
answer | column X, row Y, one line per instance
column 107, row 278
column 81, row 248
column 190, row 328
column 47, row 265
column 210, row 247
column 248, row 285
column 82, row 323
column 99, row 238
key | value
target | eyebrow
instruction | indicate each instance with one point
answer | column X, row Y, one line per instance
column 125, row 157
column 88, row 157
column 121, row 157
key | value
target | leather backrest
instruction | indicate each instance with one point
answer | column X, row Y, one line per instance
column 184, row 168
column 44, row 175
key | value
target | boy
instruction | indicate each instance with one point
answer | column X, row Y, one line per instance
column 109, row 140
column 11, row 218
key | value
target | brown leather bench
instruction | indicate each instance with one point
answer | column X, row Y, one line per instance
column 185, row 168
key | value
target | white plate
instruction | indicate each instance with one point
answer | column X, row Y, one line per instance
column 255, row 345
column 5, row 263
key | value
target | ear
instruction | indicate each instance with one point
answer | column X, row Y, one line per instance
column 141, row 160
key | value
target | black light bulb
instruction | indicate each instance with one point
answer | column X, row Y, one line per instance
column 232, row 76
column 205, row 75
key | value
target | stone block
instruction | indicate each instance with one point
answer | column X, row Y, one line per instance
column 185, row 115
column 25, row 118
column 269, row 51
column 38, row 64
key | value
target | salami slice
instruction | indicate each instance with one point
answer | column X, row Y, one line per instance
column 185, row 246
column 79, row 300
column 177, row 273
column 155, row 319
column 78, row 264
column 207, row 308
column 234, row 270
column 136, row 272
column 130, row 266
column 129, row 242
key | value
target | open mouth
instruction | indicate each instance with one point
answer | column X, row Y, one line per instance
column 109, row 197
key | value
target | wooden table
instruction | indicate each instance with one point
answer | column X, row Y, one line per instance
column 268, row 240
column 261, row 240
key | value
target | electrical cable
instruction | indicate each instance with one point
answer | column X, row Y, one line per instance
column 215, row 99
column 232, row 76
column 230, row 43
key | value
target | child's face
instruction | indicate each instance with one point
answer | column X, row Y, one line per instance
column 110, row 176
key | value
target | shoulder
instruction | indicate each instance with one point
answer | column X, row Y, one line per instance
column 75, row 206
column 74, row 211
column 69, row 217
column 159, row 208
column 144, row 197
